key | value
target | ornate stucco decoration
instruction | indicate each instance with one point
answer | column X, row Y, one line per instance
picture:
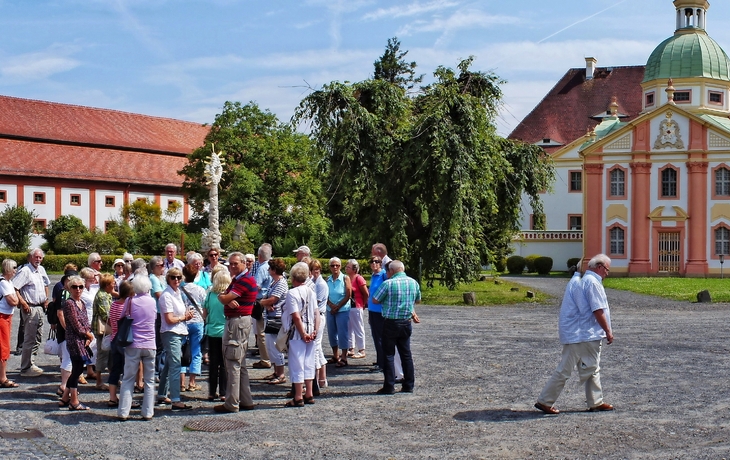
column 669, row 135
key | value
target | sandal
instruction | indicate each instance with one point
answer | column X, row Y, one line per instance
column 278, row 380
column 79, row 406
column 101, row 387
column 8, row 384
column 309, row 400
column 333, row 361
column 294, row 403
column 195, row 387
column 138, row 389
column 82, row 380
column 358, row 355
column 111, row 403
column 271, row 376
column 342, row 364
column 63, row 403
column 59, row 392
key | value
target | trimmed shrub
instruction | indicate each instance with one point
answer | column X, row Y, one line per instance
column 500, row 265
column 530, row 262
column 516, row 265
column 573, row 261
column 543, row 265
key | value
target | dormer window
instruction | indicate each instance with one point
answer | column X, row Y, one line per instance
column 547, row 142
column 649, row 99
column 716, row 98
column 683, row 97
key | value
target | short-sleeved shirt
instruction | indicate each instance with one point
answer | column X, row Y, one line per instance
column 198, row 295
column 322, row 292
column 144, row 313
column 6, row 289
column 398, row 296
column 277, row 289
column 171, row 302
column 356, row 292
column 375, row 281
column 337, row 292
column 176, row 263
column 244, row 286
column 203, row 280
column 296, row 299
column 32, row 282
column 215, row 321
column 263, row 279
column 157, row 286
column 102, row 303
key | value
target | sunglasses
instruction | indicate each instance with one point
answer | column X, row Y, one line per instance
column 176, row 278
column 376, row 261
column 334, row 265
column 96, row 261
column 212, row 255
column 76, row 287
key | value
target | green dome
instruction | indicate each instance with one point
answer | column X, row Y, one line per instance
column 688, row 55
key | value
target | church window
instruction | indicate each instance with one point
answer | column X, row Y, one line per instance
column 722, row 241
column 715, row 97
column 650, row 99
column 575, row 222
column 617, row 239
column 109, row 201
column 39, row 198
column 75, row 200
column 722, row 182
column 683, row 96
column 617, row 177
column 669, row 183
column 576, row 181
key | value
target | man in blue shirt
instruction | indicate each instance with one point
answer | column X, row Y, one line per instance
column 397, row 295
column 260, row 271
column 584, row 322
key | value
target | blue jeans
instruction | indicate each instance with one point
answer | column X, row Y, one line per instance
column 195, row 335
column 397, row 334
column 375, row 318
column 170, row 375
column 337, row 329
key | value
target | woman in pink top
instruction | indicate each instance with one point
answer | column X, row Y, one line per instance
column 143, row 310
column 116, row 354
column 360, row 296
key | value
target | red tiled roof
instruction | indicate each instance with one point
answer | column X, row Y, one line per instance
column 31, row 119
column 565, row 112
column 35, row 160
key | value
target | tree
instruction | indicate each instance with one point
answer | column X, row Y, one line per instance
column 269, row 178
column 393, row 68
column 433, row 179
column 81, row 240
column 16, row 227
column 65, row 223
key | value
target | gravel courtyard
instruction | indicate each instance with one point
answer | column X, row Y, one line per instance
column 478, row 373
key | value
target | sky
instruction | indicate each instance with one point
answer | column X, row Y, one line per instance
column 184, row 58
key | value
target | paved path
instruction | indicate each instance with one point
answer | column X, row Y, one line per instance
column 479, row 371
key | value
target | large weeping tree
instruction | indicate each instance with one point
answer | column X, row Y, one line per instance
column 428, row 175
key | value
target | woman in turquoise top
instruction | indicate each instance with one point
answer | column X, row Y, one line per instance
column 215, row 322
column 338, row 312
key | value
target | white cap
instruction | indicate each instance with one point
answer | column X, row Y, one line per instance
column 304, row 249
column 118, row 261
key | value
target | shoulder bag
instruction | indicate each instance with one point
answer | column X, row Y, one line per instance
column 51, row 346
column 124, row 335
column 284, row 336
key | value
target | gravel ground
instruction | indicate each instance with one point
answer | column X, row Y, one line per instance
column 478, row 373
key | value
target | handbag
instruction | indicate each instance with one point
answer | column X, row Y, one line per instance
column 282, row 339
column 273, row 326
column 51, row 346
column 106, row 343
column 100, row 326
column 186, row 356
column 124, row 335
column 258, row 311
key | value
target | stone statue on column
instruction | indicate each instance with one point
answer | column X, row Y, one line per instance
column 213, row 174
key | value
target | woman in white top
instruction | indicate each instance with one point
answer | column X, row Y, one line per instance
column 91, row 286
column 174, row 331
column 7, row 307
column 301, row 314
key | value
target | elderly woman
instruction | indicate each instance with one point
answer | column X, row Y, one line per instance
column 322, row 292
column 360, row 295
column 155, row 269
column 215, row 322
column 78, row 339
column 59, row 296
column 7, row 307
column 100, row 316
column 338, row 308
column 174, row 332
column 250, row 259
column 116, row 354
column 302, row 314
column 91, row 287
column 213, row 254
column 143, row 311
column 273, row 303
column 202, row 278
column 193, row 297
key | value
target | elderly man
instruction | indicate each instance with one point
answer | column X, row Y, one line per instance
column 170, row 260
column 32, row 282
column 238, row 301
column 301, row 252
column 95, row 263
column 398, row 296
column 380, row 251
column 263, row 281
column 584, row 322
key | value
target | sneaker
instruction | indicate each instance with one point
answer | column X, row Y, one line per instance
column 32, row 371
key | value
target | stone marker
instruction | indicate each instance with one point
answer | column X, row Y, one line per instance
column 515, row 289
column 470, row 298
column 530, row 295
column 704, row 296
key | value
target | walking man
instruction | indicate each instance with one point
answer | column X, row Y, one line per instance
column 398, row 295
column 584, row 322
column 238, row 303
column 32, row 282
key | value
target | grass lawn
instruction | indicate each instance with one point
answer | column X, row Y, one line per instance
column 674, row 288
column 487, row 293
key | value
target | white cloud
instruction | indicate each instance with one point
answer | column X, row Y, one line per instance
column 37, row 66
column 413, row 9
column 459, row 20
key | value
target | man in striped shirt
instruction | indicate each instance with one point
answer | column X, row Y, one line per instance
column 397, row 295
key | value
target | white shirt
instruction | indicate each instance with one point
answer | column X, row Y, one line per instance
column 32, row 282
column 6, row 289
column 171, row 302
column 302, row 300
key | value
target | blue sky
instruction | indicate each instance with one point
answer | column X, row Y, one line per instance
column 184, row 58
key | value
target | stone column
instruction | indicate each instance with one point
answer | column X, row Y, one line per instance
column 640, row 228
column 697, row 208
column 594, row 227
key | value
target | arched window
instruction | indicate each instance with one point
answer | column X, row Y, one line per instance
column 722, row 241
column 618, row 182
column 617, row 238
column 722, row 182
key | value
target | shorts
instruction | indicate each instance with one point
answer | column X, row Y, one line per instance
column 5, row 321
column 65, row 357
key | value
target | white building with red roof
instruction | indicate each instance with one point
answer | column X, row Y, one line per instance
column 59, row 159
column 642, row 156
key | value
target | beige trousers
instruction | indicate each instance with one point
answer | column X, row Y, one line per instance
column 585, row 357
column 235, row 344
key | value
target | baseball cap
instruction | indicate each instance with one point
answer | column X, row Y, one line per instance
column 304, row 249
column 118, row 261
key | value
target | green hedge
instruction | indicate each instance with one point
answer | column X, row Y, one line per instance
column 516, row 265
column 543, row 265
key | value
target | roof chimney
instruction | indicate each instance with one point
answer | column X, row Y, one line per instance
column 590, row 67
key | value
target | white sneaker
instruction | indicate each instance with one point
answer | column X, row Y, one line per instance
column 32, row 371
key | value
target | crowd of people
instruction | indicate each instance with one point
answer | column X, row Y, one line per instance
column 186, row 314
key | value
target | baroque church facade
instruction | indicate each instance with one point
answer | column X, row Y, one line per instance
column 647, row 181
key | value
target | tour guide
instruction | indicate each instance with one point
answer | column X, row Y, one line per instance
column 238, row 303
column 398, row 294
